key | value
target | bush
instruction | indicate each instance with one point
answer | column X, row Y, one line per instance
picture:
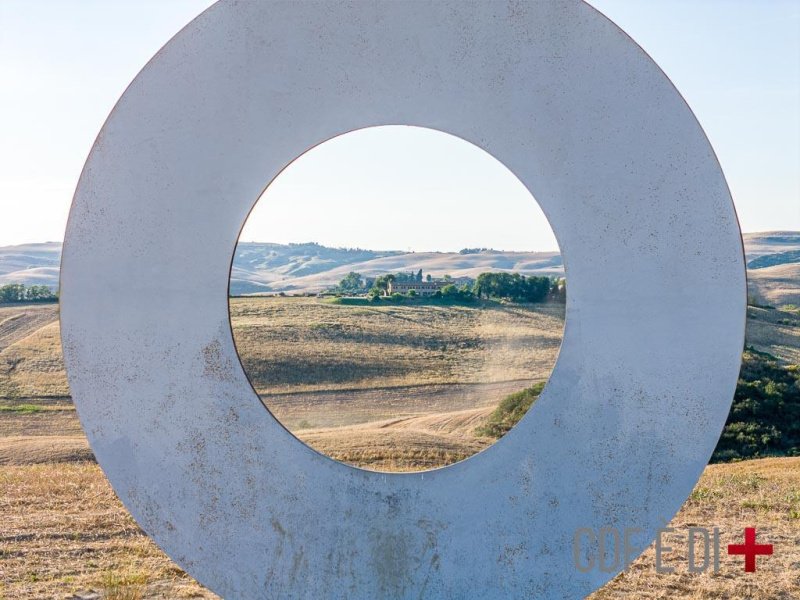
column 765, row 416
column 510, row 410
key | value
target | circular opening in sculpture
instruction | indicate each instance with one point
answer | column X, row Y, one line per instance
column 397, row 299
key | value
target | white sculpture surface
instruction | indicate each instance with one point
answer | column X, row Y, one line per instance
column 654, row 324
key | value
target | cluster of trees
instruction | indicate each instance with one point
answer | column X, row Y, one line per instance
column 513, row 286
column 352, row 283
column 455, row 294
column 500, row 286
column 17, row 292
column 409, row 277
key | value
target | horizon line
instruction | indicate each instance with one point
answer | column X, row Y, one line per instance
column 409, row 251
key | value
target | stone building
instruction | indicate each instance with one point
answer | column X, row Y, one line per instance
column 425, row 288
column 422, row 288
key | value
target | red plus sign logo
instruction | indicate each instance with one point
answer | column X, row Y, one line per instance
column 750, row 549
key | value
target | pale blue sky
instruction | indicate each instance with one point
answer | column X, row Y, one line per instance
column 64, row 63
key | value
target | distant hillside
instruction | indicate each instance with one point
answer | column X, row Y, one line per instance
column 31, row 264
column 264, row 267
column 300, row 268
column 773, row 267
column 438, row 264
column 775, row 286
column 773, row 259
column 769, row 242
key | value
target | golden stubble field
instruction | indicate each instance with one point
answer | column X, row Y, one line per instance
column 388, row 388
column 392, row 387
column 65, row 535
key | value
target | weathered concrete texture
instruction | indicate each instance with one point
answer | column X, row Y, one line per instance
column 655, row 318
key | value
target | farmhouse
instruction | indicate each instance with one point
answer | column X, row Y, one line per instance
column 424, row 288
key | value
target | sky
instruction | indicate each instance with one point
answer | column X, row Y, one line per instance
column 64, row 63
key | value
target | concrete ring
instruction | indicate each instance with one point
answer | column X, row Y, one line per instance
column 655, row 315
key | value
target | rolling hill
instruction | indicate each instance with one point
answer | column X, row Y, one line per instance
column 766, row 248
column 773, row 259
column 441, row 371
column 778, row 285
column 437, row 264
column 31, row 264
column 300, row 268
column 264, row 267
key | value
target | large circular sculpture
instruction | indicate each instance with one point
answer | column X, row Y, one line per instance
column 654, row 325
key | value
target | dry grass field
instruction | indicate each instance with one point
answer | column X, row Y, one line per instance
column 776, row 332
column 65, row 535
column 390, row 387
column 394, row 387
column 30, row 352
column 759, row 493
column 776, row 286
column 307, row 344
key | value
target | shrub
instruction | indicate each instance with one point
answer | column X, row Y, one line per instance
column 510, row 410
column 765, row 416
column 21, row 408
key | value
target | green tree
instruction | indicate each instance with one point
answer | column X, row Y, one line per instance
column 9, row 293
column 558, row 290
column 17, row 292
column 512, row 286
column 39, row 292
column 381, row 284
column 351, row 283
column 455, row 294
column 449, row 291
